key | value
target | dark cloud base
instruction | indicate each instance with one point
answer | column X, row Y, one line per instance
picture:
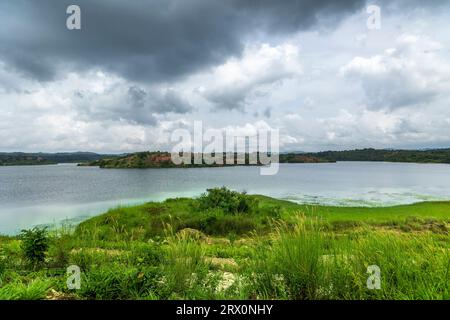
column 148, row 41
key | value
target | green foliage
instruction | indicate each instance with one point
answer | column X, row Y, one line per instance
column 59, row 249
column 185, row 269
column 148, row 221
column 275, row 250
column 307, row 263
column 35, row 243
column 147, row 254
column 3, row 265
column 114, row 281
column 229, row 201
column 418, row 156
column 20, row 158
column 291, row 267
column 163, row 159
column 17, row 289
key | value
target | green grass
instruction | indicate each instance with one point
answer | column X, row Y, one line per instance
column 275, row 249
column 307, row 263
column 426, row 210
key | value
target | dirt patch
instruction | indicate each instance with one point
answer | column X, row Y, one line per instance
column 223, row 241
column 109, row 252
column 52, row 294
column 222, row 262
column 193, row 234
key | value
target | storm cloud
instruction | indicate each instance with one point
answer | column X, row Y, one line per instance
column 156, row 41
column 139, row 69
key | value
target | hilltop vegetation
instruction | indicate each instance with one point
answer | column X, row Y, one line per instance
column 417, row 156
column 163, row 160
column 228, row 245
column 20, row 158
column 158, row 159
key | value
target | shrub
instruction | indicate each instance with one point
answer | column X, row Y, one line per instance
column 59, row 251
column 35, row 243
column 227, row 225
column 227, row 200
column 219, row 224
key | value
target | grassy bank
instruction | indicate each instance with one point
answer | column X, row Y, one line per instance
column 233, row 246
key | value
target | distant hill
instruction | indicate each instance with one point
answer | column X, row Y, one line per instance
column 163, row 160
column 159, row 159
column 21, row 158
column 388, row 155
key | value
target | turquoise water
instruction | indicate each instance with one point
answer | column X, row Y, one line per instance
column 34, row 195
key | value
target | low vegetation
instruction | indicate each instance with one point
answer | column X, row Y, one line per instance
column 159, row 159
column 34, row 245
column 417, row 156
column 22, row 158
column 163, row 159
column 229, row 245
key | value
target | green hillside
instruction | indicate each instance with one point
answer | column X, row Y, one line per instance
column 226, row 245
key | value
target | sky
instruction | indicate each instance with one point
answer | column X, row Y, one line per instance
column 138, row 70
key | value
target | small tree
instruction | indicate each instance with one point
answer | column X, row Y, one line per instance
column 35, row 243
column 229, row 201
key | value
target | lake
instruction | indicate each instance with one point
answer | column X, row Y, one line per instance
column 35, row 195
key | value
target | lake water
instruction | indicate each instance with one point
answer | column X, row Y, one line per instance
column 34, row 195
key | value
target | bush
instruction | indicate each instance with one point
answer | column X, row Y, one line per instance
column 229, row 201
column 35, row 243
column 59, row 251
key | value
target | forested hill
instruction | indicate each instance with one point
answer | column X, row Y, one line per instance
column 21, row 158
column 162, row 159
column 418, row 156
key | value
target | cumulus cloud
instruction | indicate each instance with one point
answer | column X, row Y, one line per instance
column 120, row 101
column 405, row 76
column 237, row 81
column 380, row 128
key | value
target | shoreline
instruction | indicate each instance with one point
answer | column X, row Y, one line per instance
column 257, row 248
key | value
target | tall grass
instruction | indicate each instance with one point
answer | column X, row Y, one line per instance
column 304, row 262
column 185, row 269
column 290, row 267
column 16, row 289
column 270, row 252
